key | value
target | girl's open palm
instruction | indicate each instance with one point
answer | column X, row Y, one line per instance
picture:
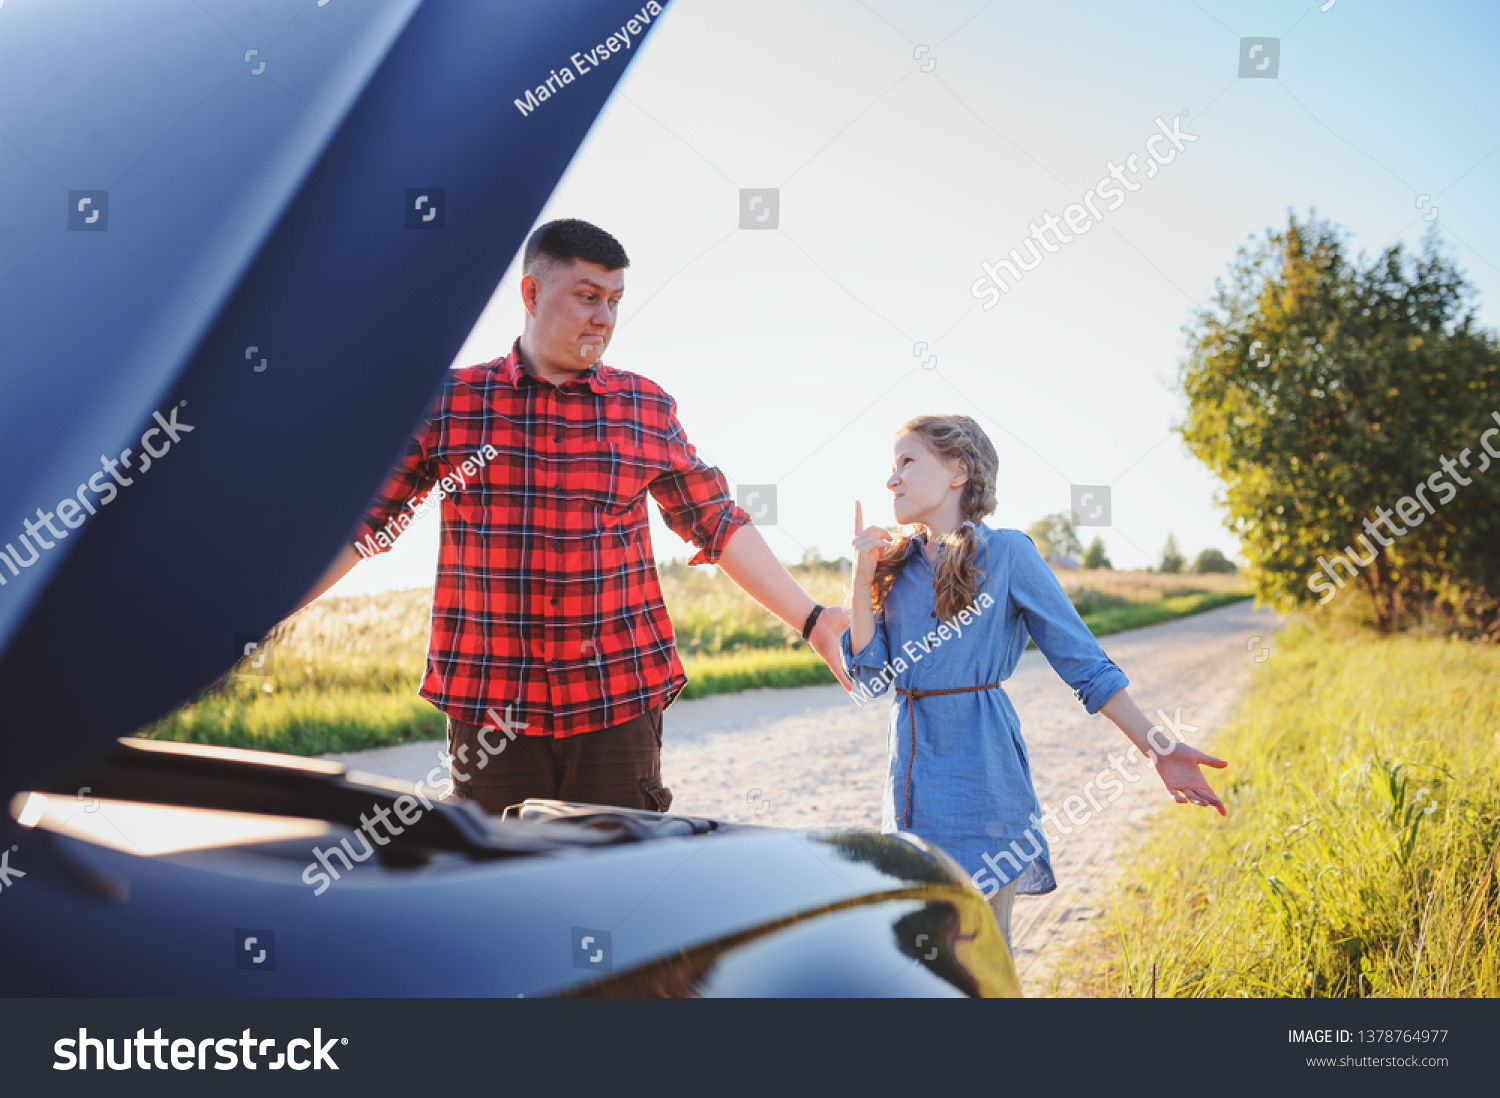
column 1180, row 774
column 869, row 547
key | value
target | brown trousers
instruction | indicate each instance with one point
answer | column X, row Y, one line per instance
column 618, row 766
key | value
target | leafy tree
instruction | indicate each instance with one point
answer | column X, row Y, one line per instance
column 1172, row 559
column 1056, row 535
column 1325, row 391
column 1095, row 556
column 1212, row 560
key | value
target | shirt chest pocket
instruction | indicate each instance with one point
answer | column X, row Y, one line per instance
column 607, row 481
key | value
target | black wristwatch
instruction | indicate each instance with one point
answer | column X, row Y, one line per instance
column 812, row 619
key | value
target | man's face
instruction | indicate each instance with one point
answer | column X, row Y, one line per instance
column 572, row 312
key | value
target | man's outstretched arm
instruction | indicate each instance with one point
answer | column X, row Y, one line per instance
column 748, row 560
column 697, row 505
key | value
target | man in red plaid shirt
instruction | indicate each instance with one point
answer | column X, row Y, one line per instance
column 551, row 651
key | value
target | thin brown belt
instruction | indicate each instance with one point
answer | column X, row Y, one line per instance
column 911, row 712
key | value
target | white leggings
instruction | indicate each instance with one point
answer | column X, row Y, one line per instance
column 1000, row 904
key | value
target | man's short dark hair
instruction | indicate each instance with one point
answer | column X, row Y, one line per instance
column 560, row 242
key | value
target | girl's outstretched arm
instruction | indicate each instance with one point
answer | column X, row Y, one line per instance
column 1176, row 763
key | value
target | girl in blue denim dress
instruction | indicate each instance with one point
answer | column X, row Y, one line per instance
column 942, row 616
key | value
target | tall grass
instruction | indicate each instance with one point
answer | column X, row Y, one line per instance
column 1359, row 855
column 712, row 616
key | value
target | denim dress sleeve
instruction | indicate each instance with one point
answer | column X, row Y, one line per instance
column 868, row 666
column 1059, row 632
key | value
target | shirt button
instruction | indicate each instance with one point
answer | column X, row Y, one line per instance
column 556, row 544
column 557, row 487
column 554, row 602
column 557, row 438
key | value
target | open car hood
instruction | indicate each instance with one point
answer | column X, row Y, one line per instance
column 213, row 254
column 150, row 870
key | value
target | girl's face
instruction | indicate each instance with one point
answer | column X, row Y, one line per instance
column 926, row 487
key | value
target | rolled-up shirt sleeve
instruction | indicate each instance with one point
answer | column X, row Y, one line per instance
column 869, row 664
column 414, row 473
column 694, row 497
column 1059, row 632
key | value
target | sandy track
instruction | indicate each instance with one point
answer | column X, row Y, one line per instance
column 810, row 758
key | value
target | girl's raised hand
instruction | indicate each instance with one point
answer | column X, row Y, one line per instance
column 869, row 547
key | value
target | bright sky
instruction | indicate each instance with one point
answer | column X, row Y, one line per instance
column 908, row 143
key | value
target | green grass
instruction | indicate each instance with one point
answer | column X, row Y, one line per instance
column 346, row 670
column 1116, row 619
column 754, row 670
column 303, row 722
column 1359, row 854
